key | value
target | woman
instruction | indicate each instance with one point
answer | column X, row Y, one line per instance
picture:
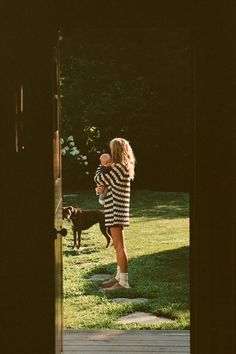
column 117, row 181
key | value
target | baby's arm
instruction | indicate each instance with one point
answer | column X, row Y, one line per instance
column 104, row 168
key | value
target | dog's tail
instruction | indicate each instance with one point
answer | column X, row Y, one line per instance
column 108, row 232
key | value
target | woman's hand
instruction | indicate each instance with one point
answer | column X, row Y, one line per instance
column 99, row 189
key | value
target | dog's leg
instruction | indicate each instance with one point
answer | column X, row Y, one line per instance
column 79, row 239
column 74, row 234
column 105, row 232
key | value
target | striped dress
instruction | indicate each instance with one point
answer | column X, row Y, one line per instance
column 117, row 200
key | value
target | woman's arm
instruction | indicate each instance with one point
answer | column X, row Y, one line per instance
column 113, row 176
column 100, row 178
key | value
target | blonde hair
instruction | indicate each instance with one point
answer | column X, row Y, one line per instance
column 122, row 153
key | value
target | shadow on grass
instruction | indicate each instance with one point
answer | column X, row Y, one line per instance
column 163, row 276
column 69, row 253
column 160, row 205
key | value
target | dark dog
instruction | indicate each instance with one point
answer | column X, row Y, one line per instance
column 83, row 220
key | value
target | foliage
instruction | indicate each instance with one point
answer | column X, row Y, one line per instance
column 157, row 243
column 133, row 83
column 73, row 162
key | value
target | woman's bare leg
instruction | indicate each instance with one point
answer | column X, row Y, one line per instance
column 117, row 234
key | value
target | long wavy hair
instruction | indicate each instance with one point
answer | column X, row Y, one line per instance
column 122, row 153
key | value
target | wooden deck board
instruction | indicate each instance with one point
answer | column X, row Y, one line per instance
column 117, row 341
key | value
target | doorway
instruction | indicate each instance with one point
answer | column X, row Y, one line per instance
column 135, row 83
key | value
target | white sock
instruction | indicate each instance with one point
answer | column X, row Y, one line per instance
column 118, row 273
column 124, row 280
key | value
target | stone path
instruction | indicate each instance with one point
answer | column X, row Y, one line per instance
column 136, row 317
column 143, row 317
column 125, row 299
column 100, row 277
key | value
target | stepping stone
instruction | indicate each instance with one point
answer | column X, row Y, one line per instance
column 99, row 277
column 125, row 299
column 143, row 317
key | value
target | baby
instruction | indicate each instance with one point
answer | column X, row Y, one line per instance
column 106, row 162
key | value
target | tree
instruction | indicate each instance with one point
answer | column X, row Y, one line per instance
column 133, row 83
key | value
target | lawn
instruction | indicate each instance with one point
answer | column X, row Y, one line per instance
column 157, row 242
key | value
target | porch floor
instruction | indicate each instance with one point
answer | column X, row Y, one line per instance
column 121, row 341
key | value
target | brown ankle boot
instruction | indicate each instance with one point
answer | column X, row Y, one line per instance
column 109, row 283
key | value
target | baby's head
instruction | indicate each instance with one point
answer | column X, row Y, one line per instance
column 105, row 159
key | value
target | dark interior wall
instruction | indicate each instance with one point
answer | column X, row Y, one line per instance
column 27, row 243
column 132, row 13
column 213, row 201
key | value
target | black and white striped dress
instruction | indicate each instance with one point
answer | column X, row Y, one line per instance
column 117, row 200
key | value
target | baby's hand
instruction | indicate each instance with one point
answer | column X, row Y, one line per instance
column 99, row 189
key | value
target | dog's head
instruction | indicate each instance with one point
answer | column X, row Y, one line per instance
column 67, row 212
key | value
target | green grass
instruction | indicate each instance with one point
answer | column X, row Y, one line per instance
column 157, row 242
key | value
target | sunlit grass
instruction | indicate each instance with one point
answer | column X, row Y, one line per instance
column 157, row 243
